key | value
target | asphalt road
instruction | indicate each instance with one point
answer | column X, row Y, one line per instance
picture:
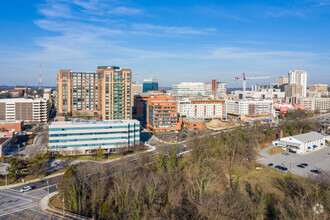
column 16, row 205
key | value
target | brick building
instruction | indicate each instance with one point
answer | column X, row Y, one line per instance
column 193, row 124
column 11, row 125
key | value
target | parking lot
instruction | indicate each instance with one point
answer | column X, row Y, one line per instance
column 317, row 160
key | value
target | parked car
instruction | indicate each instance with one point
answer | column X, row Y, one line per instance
column 300, row 165
column 304, row 164
column 278, row 167
column 25, row 189
column 316, row 171
column 284, row 168
column 285, row 153
column 270, row 164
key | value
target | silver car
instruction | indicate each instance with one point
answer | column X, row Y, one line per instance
column 25, row 189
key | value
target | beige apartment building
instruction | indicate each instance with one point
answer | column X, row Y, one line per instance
column 282, row 80
column 315, row 104
column 318, row 88
column 105, row 93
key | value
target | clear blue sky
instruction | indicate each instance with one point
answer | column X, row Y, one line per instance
column 175, row 40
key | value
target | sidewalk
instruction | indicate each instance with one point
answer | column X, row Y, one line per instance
column 59, row 174
column 43, row 205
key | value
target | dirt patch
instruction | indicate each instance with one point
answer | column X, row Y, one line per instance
column 55, row 202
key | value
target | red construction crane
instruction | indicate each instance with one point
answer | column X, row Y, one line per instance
column 248, row 78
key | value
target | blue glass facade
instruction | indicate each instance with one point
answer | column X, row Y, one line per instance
column 151, row 85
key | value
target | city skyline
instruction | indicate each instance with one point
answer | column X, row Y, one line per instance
column 175, row 41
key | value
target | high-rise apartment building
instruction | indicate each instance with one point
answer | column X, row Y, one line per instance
column 282, row 80
column 106, row 92
column 25, row 109
column 299, row 78
column 150, row 85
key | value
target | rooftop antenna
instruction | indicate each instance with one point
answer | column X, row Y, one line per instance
column 40, row 78
column 26, row 90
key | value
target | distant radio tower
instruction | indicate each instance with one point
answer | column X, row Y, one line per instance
column 40, row 79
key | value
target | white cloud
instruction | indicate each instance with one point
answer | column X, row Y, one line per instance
column 122, row 10
column 248, row 53
column 173, row 29
column 56, row 10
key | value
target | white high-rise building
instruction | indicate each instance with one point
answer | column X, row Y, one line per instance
column 26, row 109
column 299, row 77
column 189, row 88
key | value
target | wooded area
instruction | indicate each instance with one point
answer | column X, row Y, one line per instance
column 216, row 180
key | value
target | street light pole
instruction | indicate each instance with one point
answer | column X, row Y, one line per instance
column 6, row 179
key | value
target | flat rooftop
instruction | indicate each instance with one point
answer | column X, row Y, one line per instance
column 93, row 122
column 193, row 120
column 307, row 136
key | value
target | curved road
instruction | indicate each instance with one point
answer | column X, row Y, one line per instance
column 14, row 204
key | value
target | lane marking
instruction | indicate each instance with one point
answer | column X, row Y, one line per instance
column 18, row 210
column 17, row 197
column 20, row 194
column 10, row 207
column 34, row 190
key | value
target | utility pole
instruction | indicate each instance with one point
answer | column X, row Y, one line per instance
column 48, row 189
column 63, row 203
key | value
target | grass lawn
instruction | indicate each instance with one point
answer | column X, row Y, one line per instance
column 90, row 157
column 275, row 150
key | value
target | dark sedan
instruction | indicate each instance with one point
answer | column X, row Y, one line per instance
column 316, row 171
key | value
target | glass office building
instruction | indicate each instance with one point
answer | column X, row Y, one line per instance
column 88, row 136
column 150, row 85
